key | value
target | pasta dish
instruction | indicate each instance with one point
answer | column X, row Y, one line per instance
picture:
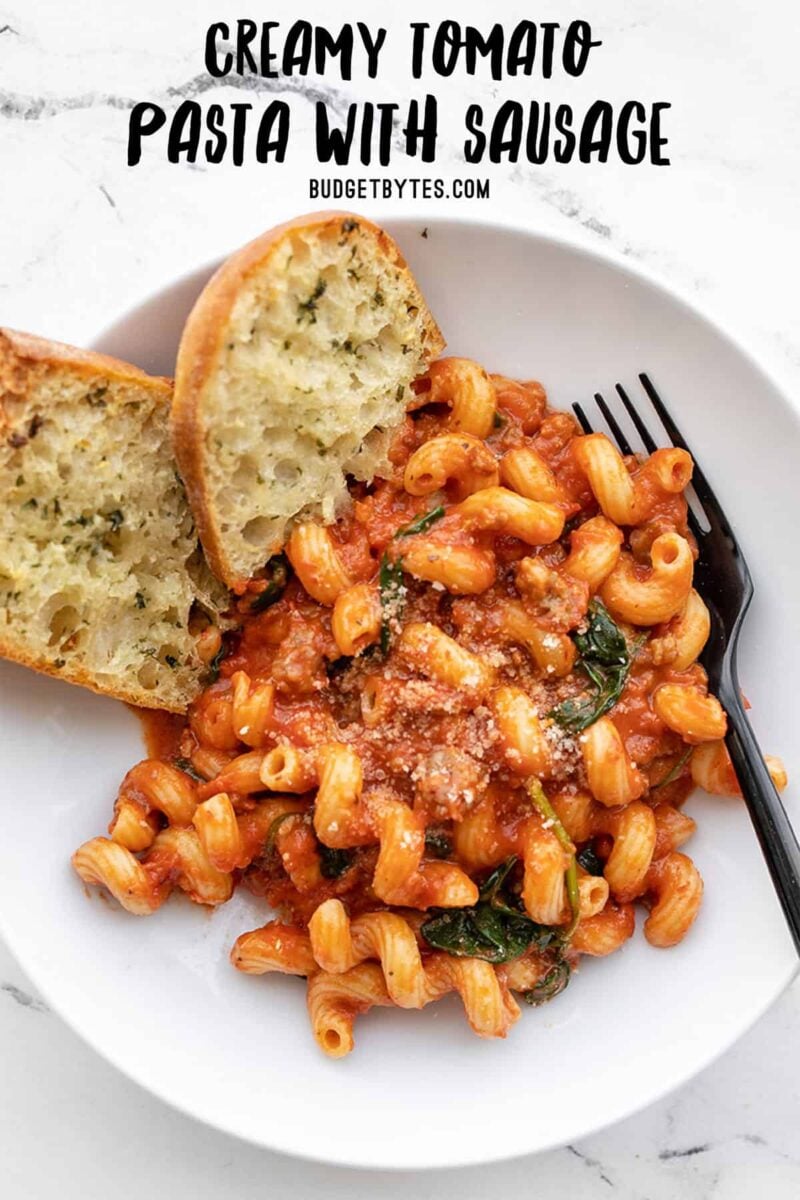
column 450, row 737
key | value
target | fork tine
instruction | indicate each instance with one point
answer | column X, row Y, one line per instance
column 583, row 420
column 666, row 420
column 644, row 433
column 693, row 523
column 613, row 425
column 702, row 487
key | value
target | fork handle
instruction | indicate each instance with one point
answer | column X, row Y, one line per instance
column 775, row 833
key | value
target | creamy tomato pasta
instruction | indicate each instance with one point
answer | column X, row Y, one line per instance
column 450, row 739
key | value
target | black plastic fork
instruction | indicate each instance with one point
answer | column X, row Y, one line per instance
column 724, row 581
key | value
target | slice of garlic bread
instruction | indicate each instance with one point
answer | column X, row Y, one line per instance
column 294, row 367
column 100, row 566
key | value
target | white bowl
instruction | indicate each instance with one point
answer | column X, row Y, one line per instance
column 158, row 997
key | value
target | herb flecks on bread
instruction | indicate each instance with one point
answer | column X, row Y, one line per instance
column 100, row 567
column 294, row 367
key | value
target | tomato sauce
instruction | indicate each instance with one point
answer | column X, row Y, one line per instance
column 430, row 750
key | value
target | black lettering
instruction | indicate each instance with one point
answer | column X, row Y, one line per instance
column 564, row 146
column 594, row 141
column 372, row 46
column 425, row 131
column 578, row 45
column 521, row 54
column 184, row 132
column 139, row 127
column 385, row 131
column 271, row 141
column 538, row 124
column 326, row 46
column 548, row 28
column 446, row 45
column 245, row 34
column 657, row 142
column 367, row 119
column 490, row 47
column 417, row 46
column 333, row 143
column 212, row 55
column 268, row 56
column 629, row 110
column 506, row 135
column 297, row 49
column 474, row 148
column 215, row 145
column 240, row 112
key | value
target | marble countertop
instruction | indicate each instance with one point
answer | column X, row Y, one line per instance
column 83, row 236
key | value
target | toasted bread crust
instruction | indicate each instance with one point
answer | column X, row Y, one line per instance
column 23, row 357
column 139, row 697
column 19, row 351
column 200, row 345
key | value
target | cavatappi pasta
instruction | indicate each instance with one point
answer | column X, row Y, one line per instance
column 450, row 741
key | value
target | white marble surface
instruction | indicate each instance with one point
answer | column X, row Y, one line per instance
column 82, row 237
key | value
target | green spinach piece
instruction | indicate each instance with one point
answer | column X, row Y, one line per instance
column 551, row 985
column 590, row 860
column 212, row 675
column 606, row 660
column 277, row 578
column 674, row 771
column 185, row 765
column 495, row 929
column 546, row 810
column 272, row 832
column 333, row 863
column 421, row 524
column 438, row 843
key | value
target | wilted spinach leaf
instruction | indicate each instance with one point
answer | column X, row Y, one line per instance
column 333, row 863
column 606, row 660
column 185, row 765
column 496, row 929
column 551, row 986
column 674, row 771
column 551, row 820
column 277, row 574
column 438, row 843
column 212, row 675
column 422, row 523
column 269, row 844
column 602, row 642
column 590, row 860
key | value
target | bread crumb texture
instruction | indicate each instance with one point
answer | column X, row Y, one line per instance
column 322, row 343
column 100, row 566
